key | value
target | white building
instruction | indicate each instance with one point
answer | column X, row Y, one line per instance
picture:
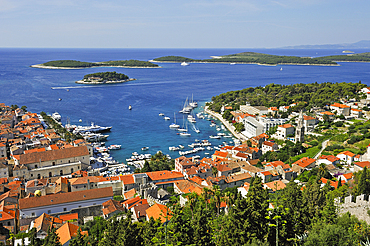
column 256, row 126
column 63, row 202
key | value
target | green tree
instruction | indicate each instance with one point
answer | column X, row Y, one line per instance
column 79, row 240
column 52, row 239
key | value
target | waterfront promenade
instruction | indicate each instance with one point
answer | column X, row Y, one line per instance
column 229, row 126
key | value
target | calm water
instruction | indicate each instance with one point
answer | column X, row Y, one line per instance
column 155, row 91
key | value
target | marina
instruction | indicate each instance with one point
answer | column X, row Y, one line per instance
column 157, row 91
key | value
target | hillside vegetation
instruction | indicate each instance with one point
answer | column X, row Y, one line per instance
column 79, row 64
column 274, row 95
column 266, row 59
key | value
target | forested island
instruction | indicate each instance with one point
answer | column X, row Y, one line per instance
column 104, row 78
column 274, row 95
column 72, row 64
column 266, row 59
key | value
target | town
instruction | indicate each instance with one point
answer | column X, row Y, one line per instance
column 51, row 179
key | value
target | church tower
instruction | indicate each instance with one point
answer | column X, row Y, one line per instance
column 299, row 132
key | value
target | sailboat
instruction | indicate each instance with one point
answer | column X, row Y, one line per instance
column 174, row 125
column 187, row 108
column 185, row 133
column 192, row 103
column 182, row 129
column 281, row 69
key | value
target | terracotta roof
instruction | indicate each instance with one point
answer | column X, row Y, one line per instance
column 363, row 164
column 127, row 179
column 186, row 186
column 348, row 176
column 45, row 221
column 130, row 194
column 62, row 198
column 304, row 162
column 112, row 206
column 277, row 163
column 338, row 105
column 356, row 110
column 5, row 216
column 159, row 211
column 306, row 117
column 266, row 173
column 140, row 210
column 67, row 217
column 348, row 153
column 268, row 143
column 220, row 154
column 238, row 177
column 330, row 158
column 327, row 113
column 67, row 231
column 286, row 126
column 160, row 175
column 275, row 185
column 53, row 155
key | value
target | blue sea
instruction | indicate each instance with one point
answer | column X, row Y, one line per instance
column 161, row 90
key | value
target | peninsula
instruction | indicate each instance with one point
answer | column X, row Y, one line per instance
column 266, row 59
column 104, row 78
column 72, row 64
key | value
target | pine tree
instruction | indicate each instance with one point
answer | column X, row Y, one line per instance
column 364, row 183
column 79, row 240
column 52, row 239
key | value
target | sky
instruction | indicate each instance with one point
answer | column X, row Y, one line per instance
column 181, row 24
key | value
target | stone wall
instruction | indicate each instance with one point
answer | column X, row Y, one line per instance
column 357, row 206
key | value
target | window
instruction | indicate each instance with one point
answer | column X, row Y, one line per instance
column 49, row 211
column 61, row 172
column 64, row 209
column 35, row 166
column 50, row 174
column 71, row 170
column 33, row 214
column 53, row 163
column 8, row 223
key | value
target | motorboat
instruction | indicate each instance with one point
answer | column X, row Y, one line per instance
column 215, row 137
column 114, row 147
column 144, row 148
column 184, row 64
column 56, row 116
column 161, row 114
column 166, row 118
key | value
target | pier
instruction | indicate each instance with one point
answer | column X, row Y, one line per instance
column 229, row 126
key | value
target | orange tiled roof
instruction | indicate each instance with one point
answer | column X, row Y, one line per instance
column 160, row 175
column 61, row 198
column 268, row 143
column 304, row 162
column 338, row 105
column 111, row 206
column 306, row 117
column 130, row 194
column 67, row 217
column 67, row 231
column 221, row 154
column 44, row 221
column 159, row 211
column 363, row 164
column 187, row 186
column 127, row 179
column 275, row 185
column 286, row 126
column 327, row 113
column 330, row 158
column 349, row 153
column 53, row 155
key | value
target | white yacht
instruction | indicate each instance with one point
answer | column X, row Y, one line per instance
column 166, row 118
column 56, row 116
column 184, row 64
column 174, row 125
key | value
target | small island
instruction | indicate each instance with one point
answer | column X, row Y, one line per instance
column 104, row 78
column 272, row 60
column 72, row 64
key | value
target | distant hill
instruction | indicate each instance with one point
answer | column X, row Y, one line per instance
column 363, row 44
